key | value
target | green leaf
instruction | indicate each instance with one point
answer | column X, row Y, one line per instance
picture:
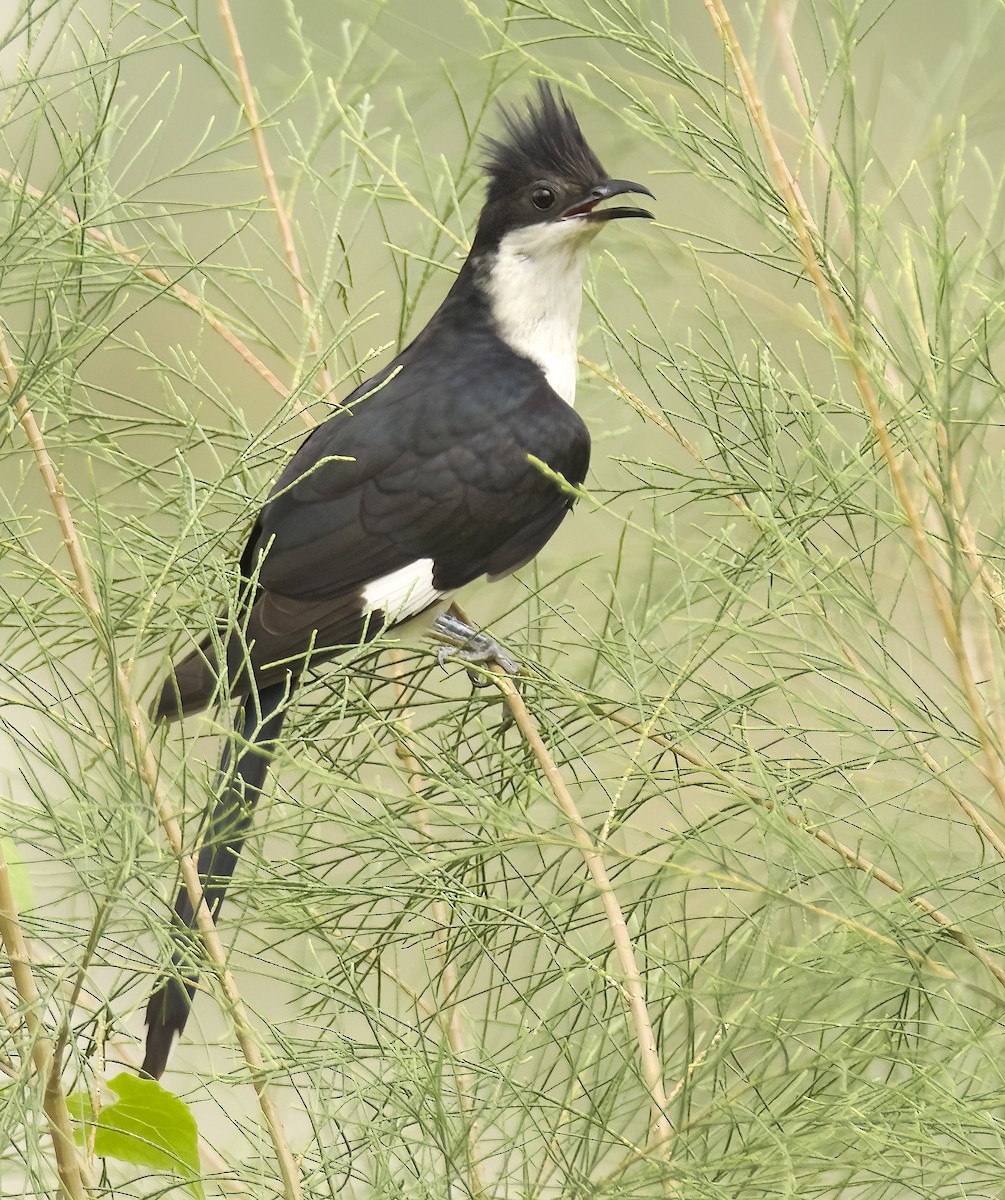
column 81, row 1114
column 150, row 1127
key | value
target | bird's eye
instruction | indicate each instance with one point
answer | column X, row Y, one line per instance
column 542, row 197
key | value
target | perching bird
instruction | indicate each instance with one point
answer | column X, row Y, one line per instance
column 418, row 485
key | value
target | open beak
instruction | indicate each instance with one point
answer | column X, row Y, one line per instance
column 586, row 209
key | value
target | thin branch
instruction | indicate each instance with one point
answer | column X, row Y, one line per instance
column 644, row 410
column 324, row 379
column 652, row 1070
column 148, row 770
column 74, row 1174
column 640, row 406
column 640, row 1154
column 156, row 275
column 648, row 413
column 225, row 1178
column 973, row 814
column 808, row 239
column 399, row 183
column 97, row 924
column 850, row 856
column 448, row 1011
column 781, row 16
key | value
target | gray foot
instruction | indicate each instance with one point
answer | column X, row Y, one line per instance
column 470, row 646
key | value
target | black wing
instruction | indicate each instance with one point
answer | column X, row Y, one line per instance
column 427, row 461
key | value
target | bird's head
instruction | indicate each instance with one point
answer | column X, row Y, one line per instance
column 542, row 211
column 545, row 184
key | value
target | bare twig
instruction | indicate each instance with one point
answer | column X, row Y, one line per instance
column 325, row 384
column 148, row 770
column 74, row 1174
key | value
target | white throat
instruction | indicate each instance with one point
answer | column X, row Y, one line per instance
column 535, row 288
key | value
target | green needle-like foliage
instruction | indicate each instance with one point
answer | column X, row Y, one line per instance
column 765, row 655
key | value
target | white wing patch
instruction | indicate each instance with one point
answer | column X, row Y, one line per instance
column 404, row 593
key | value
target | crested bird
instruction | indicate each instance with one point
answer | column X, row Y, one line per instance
column 420, row 483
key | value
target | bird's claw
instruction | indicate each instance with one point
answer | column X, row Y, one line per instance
column 474, row 649
column 480, row 650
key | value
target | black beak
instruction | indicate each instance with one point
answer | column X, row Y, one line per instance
column 586, row 209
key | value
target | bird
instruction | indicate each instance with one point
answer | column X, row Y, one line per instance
column 426, row 478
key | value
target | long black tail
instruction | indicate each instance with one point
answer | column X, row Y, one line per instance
column 259, row 723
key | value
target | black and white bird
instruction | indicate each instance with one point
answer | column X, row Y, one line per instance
column 421, row 483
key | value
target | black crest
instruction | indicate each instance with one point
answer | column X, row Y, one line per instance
column 543, row 142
